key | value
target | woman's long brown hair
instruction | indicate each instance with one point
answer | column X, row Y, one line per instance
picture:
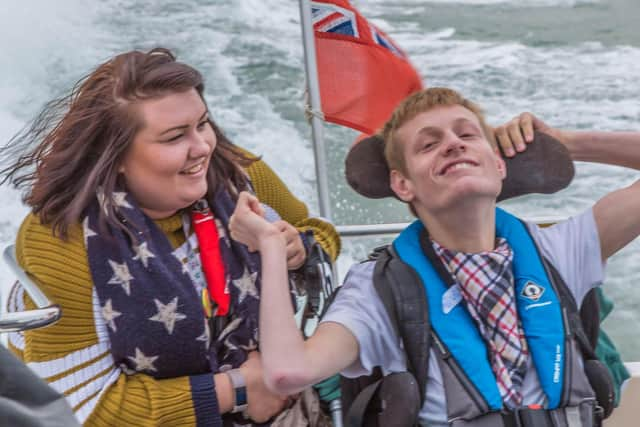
column 74, row 147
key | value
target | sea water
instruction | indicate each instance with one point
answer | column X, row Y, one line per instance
column 574, row 63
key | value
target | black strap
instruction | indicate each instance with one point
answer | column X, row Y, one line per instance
column 384, row 288
column 393, row 400
column 590, row 315
column 573, row 314
column 361, row 405
column 405, row 299
column 526, row 417
column 442, row 270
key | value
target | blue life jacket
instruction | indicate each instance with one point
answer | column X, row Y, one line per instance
column 541, row 315
column 411, row 282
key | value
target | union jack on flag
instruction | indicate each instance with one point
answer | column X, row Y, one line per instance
column 333, row 19
column 329, row 18
column 385, row 41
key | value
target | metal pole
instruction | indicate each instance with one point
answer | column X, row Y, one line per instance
column 335, row 407
column 396, row 228
column 313, row 88
column 370, row 229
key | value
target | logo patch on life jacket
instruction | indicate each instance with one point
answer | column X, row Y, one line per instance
column 532, row 291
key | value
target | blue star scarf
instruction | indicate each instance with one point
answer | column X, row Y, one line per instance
column 150, row 294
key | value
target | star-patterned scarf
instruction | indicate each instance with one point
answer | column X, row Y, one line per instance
column 487, row 286
column 150, row 294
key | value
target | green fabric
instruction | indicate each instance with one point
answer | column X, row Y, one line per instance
column 329, row 389
column 606, row 350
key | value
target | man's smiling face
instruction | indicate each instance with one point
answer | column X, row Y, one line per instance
column 448, row 160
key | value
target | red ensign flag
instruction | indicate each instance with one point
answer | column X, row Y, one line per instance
column 362, row 73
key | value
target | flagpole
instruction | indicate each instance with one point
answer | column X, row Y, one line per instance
column 313, row 88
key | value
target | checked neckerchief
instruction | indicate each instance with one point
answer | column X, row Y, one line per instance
column 487, row 286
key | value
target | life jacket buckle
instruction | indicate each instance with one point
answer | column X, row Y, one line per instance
column 202, row 207
column 527, row 416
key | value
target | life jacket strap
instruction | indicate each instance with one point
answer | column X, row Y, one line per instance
column 525, row 417
column 584, row 415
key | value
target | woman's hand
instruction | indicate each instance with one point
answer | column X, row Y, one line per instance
column 296, row 253
column 262, row 403
column 247, row 224
column 513, row 136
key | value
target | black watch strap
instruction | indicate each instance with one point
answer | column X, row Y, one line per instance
column 240, row 390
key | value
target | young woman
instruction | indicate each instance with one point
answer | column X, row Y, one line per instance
column 131, row 186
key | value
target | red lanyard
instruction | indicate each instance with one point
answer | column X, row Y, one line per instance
column 206, row 231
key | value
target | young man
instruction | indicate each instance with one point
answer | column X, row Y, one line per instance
column 497, row 319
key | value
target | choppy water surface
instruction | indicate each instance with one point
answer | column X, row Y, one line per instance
column 573, row 62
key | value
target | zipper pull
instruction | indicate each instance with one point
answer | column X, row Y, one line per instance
column 445, row 353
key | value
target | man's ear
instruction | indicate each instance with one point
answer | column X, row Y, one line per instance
column 401, row 185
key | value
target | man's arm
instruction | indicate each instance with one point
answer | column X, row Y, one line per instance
column 290, row 363
column 612, row 148
column 617, row 214
column 618, row 218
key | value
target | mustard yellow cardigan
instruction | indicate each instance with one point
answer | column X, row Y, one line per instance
column 73, row 355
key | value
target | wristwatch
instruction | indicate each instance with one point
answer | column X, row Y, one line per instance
column 240, row 390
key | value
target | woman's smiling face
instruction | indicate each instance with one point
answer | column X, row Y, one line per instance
column 165, row 167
